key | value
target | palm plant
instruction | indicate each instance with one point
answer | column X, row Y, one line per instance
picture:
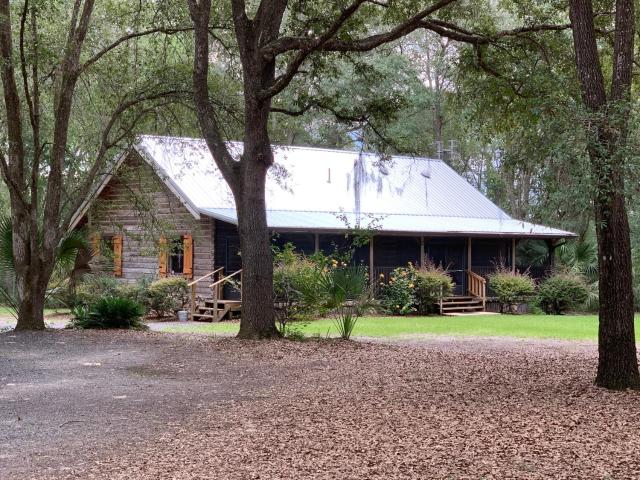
column 109, row 312
column 347, row 295
column 581, row 257
column 533, row 252
column 65, row 260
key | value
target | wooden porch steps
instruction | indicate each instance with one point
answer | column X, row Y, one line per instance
column 461, row 304
column 211, row 310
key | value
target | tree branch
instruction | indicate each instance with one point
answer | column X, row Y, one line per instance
column 328, row 42
column 13, row 166
column 623, row 50
column 131, row 36
column 200, row 12
column 69, row 72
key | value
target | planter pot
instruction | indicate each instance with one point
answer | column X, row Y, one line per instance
column 183, row 315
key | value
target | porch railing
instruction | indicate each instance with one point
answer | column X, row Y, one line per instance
column 216, row 287
column 194, row 284
column 477, row 286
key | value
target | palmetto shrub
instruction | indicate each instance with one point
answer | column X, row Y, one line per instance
column 511, row 288
column 348, row 296
column 109, row 312
column 562, row 292
column 94, row 287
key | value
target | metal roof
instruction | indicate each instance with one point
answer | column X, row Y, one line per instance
column 323, row 189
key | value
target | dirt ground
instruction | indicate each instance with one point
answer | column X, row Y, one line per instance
column 104, row 405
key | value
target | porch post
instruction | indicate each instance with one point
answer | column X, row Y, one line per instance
column 371, row 274
column 513, row 255
column 317, row 243
column 469, row 254
column 422, row 251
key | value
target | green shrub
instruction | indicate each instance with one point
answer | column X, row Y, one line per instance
column 562, row 292
column 511, row 288
column 109, row 312
column 297, row 288
column 412, row 289
column 94, row 287
column 168, row 295
column 431, row 283
column 137, row 291
column 398, row 296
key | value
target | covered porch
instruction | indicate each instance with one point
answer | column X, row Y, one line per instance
column 468, row 259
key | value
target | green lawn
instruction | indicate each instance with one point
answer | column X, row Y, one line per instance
column 569, row 327
column 6, row 311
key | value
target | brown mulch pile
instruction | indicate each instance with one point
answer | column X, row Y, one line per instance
column 441, row 409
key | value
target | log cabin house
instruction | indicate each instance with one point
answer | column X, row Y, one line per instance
column 165, row 210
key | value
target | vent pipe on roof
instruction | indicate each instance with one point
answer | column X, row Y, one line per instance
column 359, row 178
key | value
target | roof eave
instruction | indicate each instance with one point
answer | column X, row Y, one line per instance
column 543, row 236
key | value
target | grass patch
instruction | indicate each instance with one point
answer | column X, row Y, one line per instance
column 565, row 327
column 7, row 312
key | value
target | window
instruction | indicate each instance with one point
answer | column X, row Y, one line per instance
column 176, row 256
column 106, row 246
column 107, row 252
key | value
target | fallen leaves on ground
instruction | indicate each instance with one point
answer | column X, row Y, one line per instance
column 439, row 409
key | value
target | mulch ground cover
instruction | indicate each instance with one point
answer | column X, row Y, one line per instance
column 434, row 408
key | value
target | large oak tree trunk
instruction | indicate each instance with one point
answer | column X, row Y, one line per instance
column 617, row 362
column 608, row 129
column 258, row 319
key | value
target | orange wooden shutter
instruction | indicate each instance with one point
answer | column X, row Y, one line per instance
column 117, row 255
column 162, row 257
column 94, row 240
column 187, row 250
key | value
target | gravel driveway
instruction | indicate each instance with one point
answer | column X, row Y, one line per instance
column 155, row 406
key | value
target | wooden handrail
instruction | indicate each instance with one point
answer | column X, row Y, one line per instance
column 203, row 277
column 192, row 286
column 224, row 279
column 477, row 286
column 474, row 275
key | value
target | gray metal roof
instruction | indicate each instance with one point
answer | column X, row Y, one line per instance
column 315, row 188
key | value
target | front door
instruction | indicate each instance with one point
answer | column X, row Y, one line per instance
column 450, row 254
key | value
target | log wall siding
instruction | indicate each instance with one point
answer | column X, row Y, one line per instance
column 137, row 205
